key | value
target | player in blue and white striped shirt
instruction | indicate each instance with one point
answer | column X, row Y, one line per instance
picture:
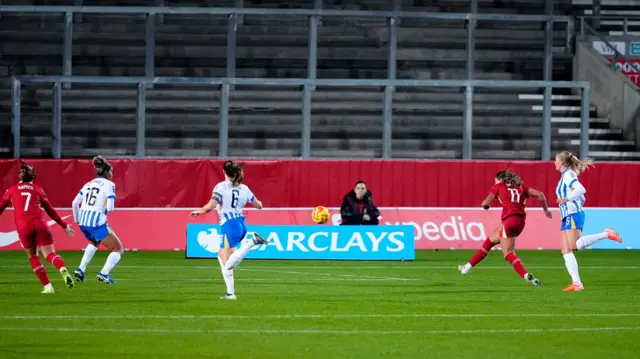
column 90, row 207
column 571, row 198
column 230, row 196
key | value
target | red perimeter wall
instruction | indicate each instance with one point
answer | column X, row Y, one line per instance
column 308, row 183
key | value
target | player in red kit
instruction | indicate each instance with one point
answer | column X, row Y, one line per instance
column 512, row 194
column 30, row 204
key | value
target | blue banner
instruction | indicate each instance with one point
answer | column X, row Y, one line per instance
column 622, row 221
column 311, row 242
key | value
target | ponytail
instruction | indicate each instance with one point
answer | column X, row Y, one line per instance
column 234, row 171
column 101, row 165
column 569, row 160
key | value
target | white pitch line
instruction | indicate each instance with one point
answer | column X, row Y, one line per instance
column 319, row 331
column 336, row 275
column 324, row 316
column 399, row 266
column 212, row 279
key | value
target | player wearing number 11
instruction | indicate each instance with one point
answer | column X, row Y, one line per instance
column 90, row 207
column 512, row 194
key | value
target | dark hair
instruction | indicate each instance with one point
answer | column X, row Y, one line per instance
column 509, row 177
column 27, row 173
column 234, row 171
column 359, row 182
column 101, row 165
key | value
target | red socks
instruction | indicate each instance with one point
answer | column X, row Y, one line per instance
column 481, row 253
column 39, row 270
column 55, row 260
column 516, row 263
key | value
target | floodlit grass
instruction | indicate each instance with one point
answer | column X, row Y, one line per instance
column 165, row 306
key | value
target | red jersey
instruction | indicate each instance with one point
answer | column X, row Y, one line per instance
column 29, row 203
column 512, row 198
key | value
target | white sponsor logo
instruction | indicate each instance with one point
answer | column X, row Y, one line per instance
column 453, row 230
column 321, row 241
column 8, row 238
column 605, row 49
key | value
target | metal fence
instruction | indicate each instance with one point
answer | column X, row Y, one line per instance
column 235, row 18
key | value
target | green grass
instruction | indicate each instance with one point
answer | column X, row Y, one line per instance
column 167, row 307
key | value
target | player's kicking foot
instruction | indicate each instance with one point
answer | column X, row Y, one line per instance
column 464, row 270
column 613, row 235
column 104, row 278
column 79, row 274
column 67, row 277
column 258, row 239
column 574, row 288
column 48, row 290
column 229, row 297
column 531, row 279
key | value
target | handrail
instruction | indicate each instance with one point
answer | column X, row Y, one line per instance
column 276, row 12
column 295, row 82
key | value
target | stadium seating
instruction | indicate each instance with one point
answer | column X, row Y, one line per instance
column 266, row 122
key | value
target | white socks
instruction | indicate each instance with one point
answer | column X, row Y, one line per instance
column 572, row 267
column 112, row 260
column 86, row 258
column 588, row 240
column 227, row 274
column 238, row 255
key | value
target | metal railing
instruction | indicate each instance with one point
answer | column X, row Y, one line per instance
column 595, row 22
column 313, row 15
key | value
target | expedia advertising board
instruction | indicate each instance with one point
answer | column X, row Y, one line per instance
column 311, row 242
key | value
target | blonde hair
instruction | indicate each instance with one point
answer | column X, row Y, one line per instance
column 569, row 160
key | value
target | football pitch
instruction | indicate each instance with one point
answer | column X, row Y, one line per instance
column 165, row 306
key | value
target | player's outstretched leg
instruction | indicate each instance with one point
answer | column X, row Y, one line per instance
column 590, row 239
column 238, row 255
column 56, row 260
column 492, row 240
column 508, row 247
column 86, row 258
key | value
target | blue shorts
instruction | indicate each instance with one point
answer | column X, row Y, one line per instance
column 96, row 233
column 233, row 232
column 573, row 221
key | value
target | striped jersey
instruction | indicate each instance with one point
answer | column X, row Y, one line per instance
column 566, row 186
column 232, row 200
column 93, row 208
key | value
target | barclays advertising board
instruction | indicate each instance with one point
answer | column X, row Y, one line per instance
column 311, row 242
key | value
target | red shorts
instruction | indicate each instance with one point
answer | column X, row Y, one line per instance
column 34, row 234
column 512, row 226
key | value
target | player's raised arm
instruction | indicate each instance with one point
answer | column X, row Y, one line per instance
column 213, row 203
column 46, row 205
column 4, row 202
column 486, row 203
column 532, row 192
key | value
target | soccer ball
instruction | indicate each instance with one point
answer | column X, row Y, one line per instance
column 320, row 215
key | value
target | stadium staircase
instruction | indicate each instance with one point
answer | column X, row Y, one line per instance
column 266, row 122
